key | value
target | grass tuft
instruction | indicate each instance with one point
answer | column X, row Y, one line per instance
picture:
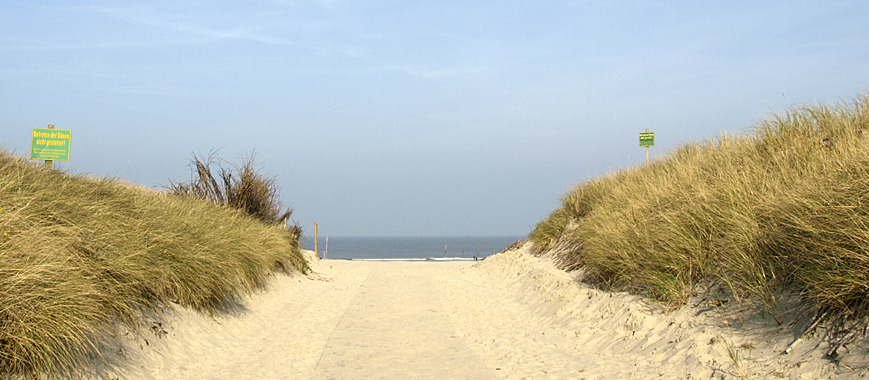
column 238, row 186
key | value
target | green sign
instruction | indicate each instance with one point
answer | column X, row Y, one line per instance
column 647, row 139
column 50, row 144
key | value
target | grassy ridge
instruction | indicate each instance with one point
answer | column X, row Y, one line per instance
column 781, row 211
column 78, row 254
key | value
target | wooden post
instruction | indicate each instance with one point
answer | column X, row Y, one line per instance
column 326, row 252
column 647, row 150
column 316, row 231
column 49, row 163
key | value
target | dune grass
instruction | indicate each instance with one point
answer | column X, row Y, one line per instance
column 239, row 186
column 79, row 255
column 780, row 211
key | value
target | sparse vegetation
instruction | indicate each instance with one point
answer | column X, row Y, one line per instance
column 79, row 255
column 781, row 211
column 239, row 186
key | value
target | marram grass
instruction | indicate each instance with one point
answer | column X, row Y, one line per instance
column 79, row 255
column 780, row 211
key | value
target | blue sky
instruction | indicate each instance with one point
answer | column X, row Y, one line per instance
column 417, row 118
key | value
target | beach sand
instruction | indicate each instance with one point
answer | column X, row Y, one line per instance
column 511, row 316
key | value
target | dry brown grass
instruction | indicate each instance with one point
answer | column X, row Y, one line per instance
column 781, row 211
column 79, row 254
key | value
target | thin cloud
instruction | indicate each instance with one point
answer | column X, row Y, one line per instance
column 445, row 72
column 160, row 90
column 88, row 46
column 181, row 23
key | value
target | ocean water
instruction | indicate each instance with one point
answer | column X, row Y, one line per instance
column 409, row 248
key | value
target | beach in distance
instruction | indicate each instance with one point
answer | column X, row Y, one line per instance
column 513, row 315
column 409, row 248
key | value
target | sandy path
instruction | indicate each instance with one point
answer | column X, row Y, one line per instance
column 280, row 334
column 512, row 316
column 396, row 327
column 352, row 320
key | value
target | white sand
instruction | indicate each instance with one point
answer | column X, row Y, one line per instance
column 512, row 316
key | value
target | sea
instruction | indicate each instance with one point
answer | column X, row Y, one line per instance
column 409, row 248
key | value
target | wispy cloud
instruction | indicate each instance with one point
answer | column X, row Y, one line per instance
column 159, row 89
column 444, row 72
column 147, row 25
column 188, row 23
column 51, row 46
column 104, row 97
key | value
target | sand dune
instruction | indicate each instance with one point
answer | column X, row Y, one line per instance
column 512, row 316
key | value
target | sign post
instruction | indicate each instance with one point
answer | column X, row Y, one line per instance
column 316, row 231
column 647, row 139
column 50, row 144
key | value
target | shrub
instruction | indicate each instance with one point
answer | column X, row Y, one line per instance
column 238, row 186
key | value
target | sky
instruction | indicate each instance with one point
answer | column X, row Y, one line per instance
column 413, row 118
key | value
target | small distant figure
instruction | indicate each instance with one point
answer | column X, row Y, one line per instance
column 475, row 257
